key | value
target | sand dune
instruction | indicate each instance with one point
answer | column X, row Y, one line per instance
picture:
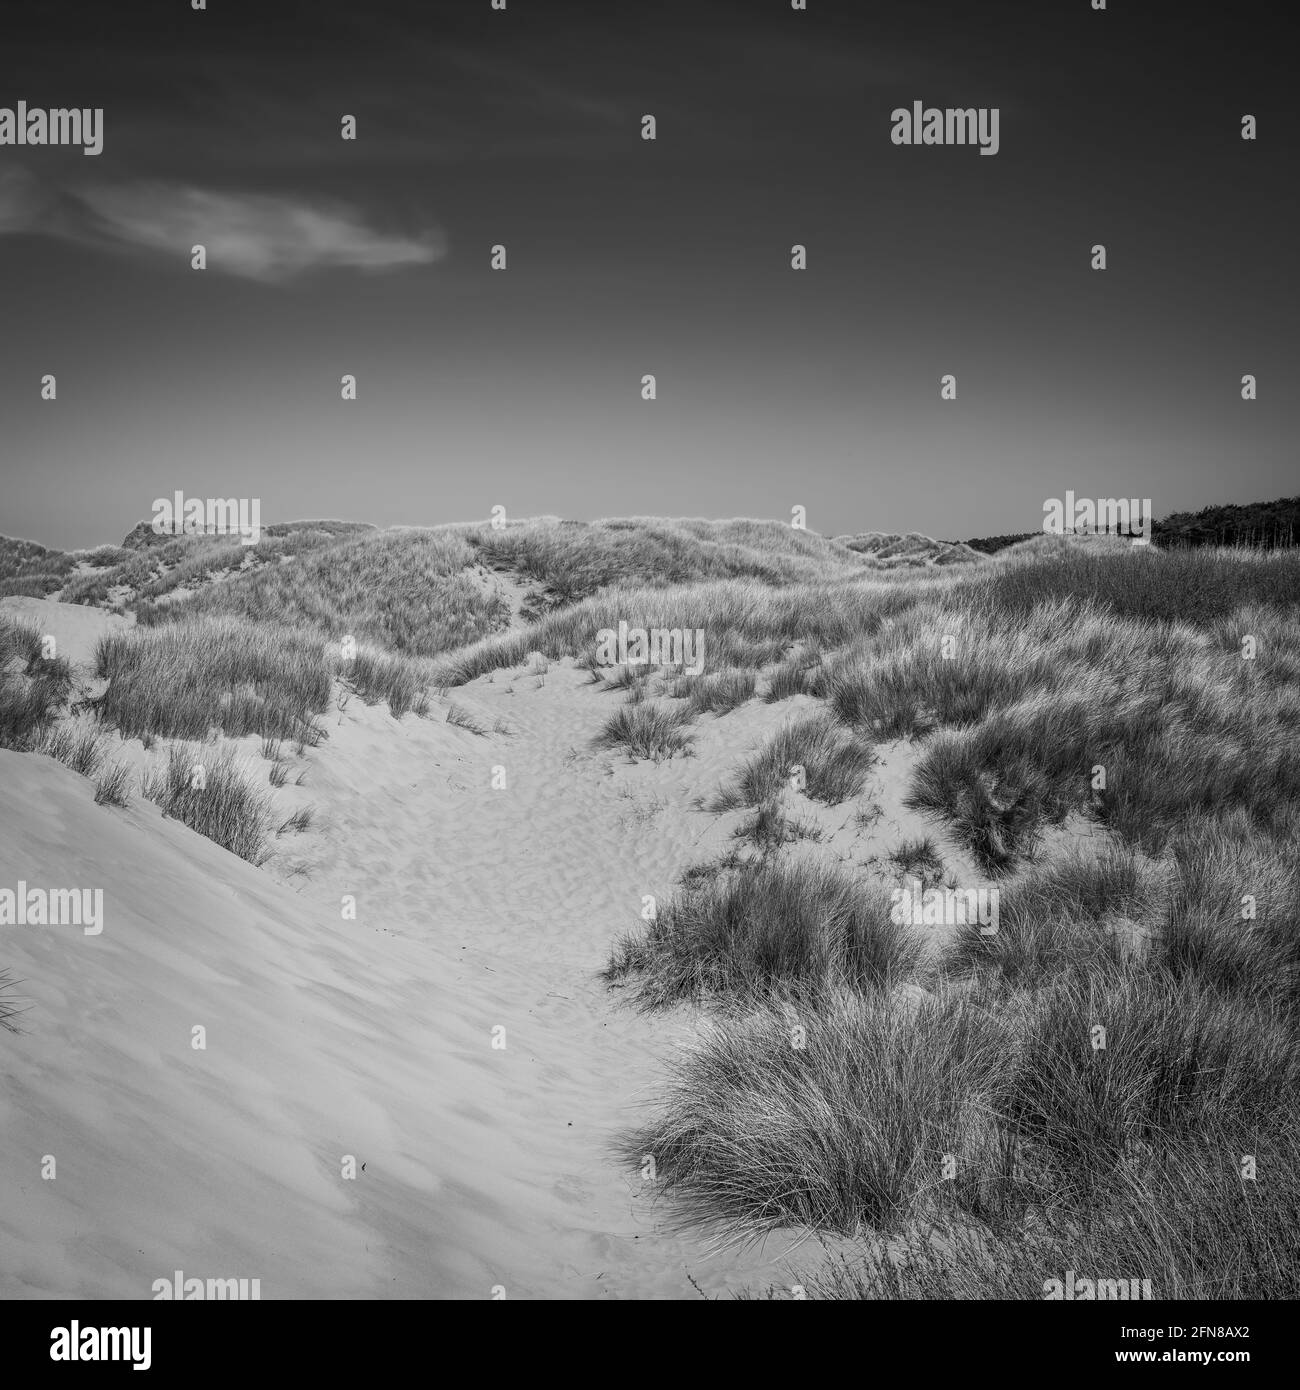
column 477, row 909
column 423, row 1098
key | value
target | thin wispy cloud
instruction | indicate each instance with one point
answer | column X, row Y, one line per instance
column 255, row 236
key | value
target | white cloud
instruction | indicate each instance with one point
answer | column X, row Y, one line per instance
column 254, row 235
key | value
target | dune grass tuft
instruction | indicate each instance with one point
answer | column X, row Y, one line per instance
column 766, row 923
column 814, row 755
column 33, row 689
column 113, row 785
column 214, row 795
column 647, row 730
column 718, row 693
column 187, row 680
column 81, row 747
column 833, row 1117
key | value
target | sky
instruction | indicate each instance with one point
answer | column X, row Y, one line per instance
column 522, row 388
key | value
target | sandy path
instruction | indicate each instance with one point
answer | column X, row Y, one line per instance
column 522, row 889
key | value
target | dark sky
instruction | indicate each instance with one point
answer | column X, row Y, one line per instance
column 522, row 388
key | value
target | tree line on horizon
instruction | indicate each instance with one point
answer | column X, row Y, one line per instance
column 1257, row 525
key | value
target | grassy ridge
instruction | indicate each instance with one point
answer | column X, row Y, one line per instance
column 986, row 1125
column 403, row 590
column 33, row 570
column 575, row 559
